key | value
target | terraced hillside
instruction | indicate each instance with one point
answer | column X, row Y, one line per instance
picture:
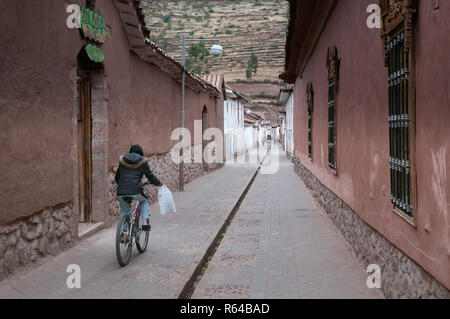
column 242, row 27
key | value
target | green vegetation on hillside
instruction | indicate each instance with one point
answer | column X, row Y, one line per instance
column 252, row 66
column 240, row 27
column 197, row 53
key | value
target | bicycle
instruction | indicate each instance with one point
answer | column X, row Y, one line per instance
column 129, row 231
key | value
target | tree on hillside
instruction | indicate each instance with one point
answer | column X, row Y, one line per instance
column 198, row 50
column 197, row 54
column 252, row 67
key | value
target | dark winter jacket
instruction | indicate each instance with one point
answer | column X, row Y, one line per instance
column 129, row 174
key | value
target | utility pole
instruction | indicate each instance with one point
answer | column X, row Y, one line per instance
column 215, row 50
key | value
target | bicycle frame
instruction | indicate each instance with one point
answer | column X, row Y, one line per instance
column 136, row 212
column 135, row 216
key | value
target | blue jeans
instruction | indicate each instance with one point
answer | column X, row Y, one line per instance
column 125, row 207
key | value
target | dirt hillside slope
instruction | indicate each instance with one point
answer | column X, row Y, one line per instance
column 241, row 27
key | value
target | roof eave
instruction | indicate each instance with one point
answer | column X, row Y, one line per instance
column 306, row 23
column 133, row 22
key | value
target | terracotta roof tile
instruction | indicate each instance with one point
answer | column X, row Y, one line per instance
column 217, row 80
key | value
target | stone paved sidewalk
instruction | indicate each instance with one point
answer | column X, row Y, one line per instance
column 177, row 244
column 281, row 245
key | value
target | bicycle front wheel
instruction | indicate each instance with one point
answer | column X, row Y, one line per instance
column 124, row 241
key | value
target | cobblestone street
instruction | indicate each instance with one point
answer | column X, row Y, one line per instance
column 279, row 245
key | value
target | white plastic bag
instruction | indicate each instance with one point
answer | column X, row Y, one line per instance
column 166, row 203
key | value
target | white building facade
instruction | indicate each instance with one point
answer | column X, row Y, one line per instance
column 234, row 128
column 287, row 97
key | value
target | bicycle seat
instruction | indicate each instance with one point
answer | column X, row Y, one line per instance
column 129, row 200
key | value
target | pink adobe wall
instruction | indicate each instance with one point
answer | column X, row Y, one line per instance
column 144, row 103
column 362, row 133
column 37, row 66
column 37, row 101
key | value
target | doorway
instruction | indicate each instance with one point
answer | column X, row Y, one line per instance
column 85, row 150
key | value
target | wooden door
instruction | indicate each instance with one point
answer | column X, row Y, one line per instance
column 85, row 150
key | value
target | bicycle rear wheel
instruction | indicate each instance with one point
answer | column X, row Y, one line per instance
column 141, row 238
column 124, row 240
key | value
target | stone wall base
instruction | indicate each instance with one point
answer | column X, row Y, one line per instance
column 26, row 241
column 401, row 276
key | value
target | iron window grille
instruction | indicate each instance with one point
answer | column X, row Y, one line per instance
column 399, row 123
column 333, row 64
column 397, row 32
column 310, row 104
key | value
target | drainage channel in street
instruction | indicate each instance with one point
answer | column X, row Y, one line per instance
column 201, row 268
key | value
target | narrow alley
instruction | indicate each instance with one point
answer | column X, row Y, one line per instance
column 282, row 245
column 279, row 245
column 286, row 149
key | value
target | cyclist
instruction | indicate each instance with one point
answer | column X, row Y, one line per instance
column 129, row 174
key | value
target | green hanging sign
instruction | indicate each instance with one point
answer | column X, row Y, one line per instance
column 93, row 25
column 94, row 53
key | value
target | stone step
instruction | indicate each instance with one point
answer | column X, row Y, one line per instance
column 88, row 229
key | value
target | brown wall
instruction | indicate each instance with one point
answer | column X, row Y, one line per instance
column 144, row 103
column 37, row 55
column 38, row 64
column 362, row 133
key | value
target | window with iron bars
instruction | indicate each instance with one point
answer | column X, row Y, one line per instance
column 309, row 102
column 399, row 123
column 331, row 125
column 333, row 64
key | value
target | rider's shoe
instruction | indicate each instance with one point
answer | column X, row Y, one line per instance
column 146, row 225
